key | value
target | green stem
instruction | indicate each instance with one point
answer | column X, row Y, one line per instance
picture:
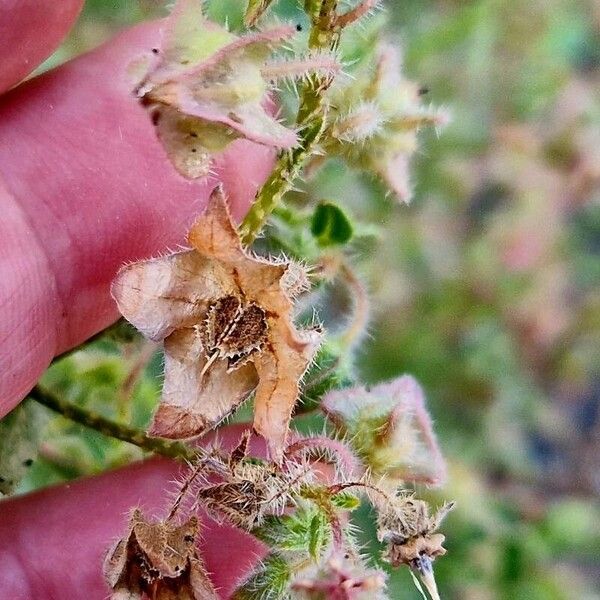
column 176, row 450
column 310, row 122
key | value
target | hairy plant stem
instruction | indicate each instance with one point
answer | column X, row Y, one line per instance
column 310, row 122
column 176, row 450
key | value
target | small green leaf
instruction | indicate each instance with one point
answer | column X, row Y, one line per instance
column 270, row 583
column 346, row 501
column 328, row 371
column 316, row 534
column 330, row 225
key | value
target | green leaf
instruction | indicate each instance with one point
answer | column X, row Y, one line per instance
column 270, row 583
column 346, row 501
column 316, row 533
column 19, row 436
column 330, row 225
column 329, row 371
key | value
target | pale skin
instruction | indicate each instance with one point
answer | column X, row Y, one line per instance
column 85, row 187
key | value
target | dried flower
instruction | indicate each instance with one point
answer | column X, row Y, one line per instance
column 340, row 579
column 374, row 121
column 410, row 533
column 226, row 320
column 390, row 429
column 157, row 559
column 206, row 87
column 250, row 490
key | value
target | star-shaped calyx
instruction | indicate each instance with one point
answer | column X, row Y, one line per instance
column 226, row 320
column 157, row 560
column 374, row 121
column 206, row 87
column 410, row 532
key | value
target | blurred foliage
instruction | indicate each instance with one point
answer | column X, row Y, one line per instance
column 484, row 288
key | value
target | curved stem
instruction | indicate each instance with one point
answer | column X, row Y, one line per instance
column 310, row 122
column 353, row 15
column 171, row 449
column 184, row 489
column 339, row 487
column 339, row 452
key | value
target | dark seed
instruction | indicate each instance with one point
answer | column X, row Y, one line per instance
column 155, row 116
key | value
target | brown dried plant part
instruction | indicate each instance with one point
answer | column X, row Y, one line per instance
column 159, row 560
column 226, row 320
column 409, row 530
column 251, row 490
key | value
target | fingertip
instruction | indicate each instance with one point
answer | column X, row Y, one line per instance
column 30, row 30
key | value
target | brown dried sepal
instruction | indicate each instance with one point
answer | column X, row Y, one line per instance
column 249, row 490
column 159, row 560
column 411, row 550
column 410, row 531
column 226, row 320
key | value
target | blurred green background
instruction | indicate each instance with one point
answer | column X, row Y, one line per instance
column 484, row 288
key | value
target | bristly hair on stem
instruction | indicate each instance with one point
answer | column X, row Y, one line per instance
column 177, row 450
column 310, row 122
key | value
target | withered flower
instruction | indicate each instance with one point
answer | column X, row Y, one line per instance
column 205, row 87
column 375, row 120
column 341, row 579
column 250, row 490
column 410, row 533
column 159, row 560
column 226, row 320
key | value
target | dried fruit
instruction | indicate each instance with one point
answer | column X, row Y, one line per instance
column 226, row 320
column 250, row 490
column 410, row 533
column 158, row 559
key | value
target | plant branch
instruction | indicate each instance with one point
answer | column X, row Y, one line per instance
column 171, row 449
column 310, row 122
